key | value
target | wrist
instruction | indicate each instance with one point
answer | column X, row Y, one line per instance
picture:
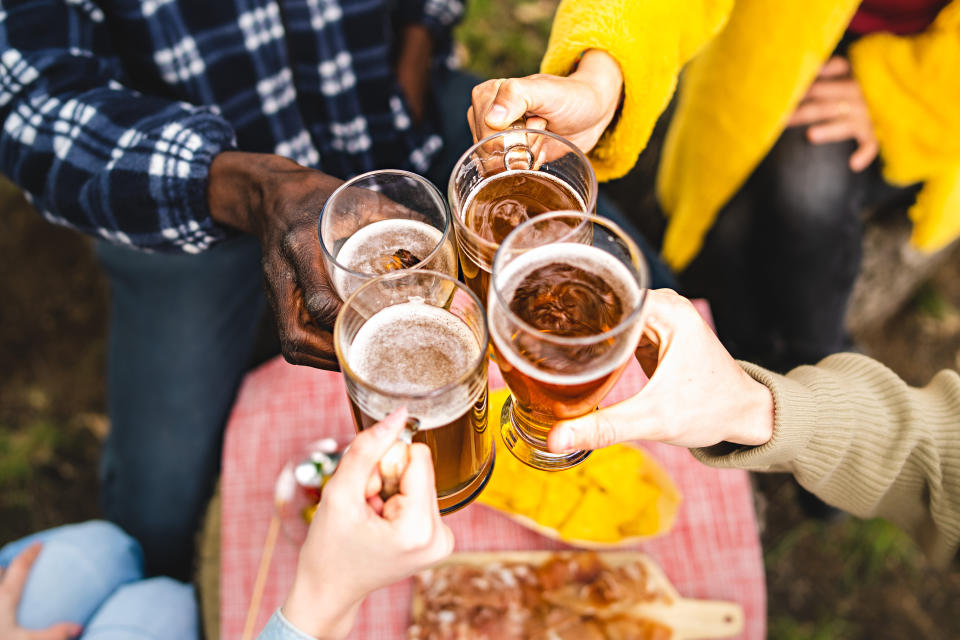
column 238, row 182
column 602, row 72
column 326, row 614
column 757, row 416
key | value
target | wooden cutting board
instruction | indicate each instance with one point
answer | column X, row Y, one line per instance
column 689, row 619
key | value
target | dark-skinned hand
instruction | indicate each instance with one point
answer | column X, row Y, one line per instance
column 279, row 202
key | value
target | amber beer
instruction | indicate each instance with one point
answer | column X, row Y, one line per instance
column 501, row 203
column 565, row 318
column 506, row 179
column 414, row 350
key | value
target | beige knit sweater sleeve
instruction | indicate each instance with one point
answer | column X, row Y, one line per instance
column 857, row 436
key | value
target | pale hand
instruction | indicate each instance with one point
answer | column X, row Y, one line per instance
column 836, row 110
column 357, row 543
column 697, row 395
column 12, row 581
column 578, row 107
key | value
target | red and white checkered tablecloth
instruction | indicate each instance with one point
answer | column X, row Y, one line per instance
column 713, row 551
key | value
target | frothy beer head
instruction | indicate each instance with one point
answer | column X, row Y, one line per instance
column 412, row 349
column 565, row 294
column 389, row 245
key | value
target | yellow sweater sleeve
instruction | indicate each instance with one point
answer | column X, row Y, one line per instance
column 651, row 40
column 912, row 87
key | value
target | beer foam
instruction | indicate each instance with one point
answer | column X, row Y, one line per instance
column 383, row 238
column 590, row 259
column 414, row 348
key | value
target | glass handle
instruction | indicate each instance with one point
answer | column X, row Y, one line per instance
column 395, row 460
column 516, row 149
column 409, row 430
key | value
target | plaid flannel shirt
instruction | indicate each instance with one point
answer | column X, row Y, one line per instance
column 113, row 110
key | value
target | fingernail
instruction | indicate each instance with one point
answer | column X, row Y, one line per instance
column 498, row 113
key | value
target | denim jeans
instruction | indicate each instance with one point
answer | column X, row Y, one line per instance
column 92, row 574
column 780, row 261
column 182, row 329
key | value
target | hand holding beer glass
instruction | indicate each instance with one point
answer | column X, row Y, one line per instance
column 383, row 221
column 419, row 339
column 565, row 306
column 508, row 178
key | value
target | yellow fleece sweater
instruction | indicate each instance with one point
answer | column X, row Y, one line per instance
column 752, row 61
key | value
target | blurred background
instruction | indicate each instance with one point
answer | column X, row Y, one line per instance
column 844, row 578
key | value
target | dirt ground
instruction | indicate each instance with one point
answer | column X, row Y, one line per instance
column 53, row 324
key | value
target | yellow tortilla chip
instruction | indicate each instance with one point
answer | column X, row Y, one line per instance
column 619, row 493
column 591, row 519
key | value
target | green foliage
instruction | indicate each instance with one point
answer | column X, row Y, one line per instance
column 504, row 38
column 870, row 548
column 787, row 545
column 826, row 628
column 24, row 450
column 932, row 302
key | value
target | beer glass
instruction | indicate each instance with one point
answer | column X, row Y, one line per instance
column 382, row 221
column 566, row 296
column 509, row 177
column 419, row 339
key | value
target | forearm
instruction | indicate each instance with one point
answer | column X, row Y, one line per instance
column 94, row 154
column 315, row 609
column 601, row 71
column 239, row 186
column 319, row 608
column 651, row 41
column 859, row 437
column 413, row 66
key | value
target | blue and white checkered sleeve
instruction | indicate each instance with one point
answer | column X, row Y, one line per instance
column 439, row 16
column 91, row 153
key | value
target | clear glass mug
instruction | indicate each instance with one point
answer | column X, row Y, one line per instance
column 383, row 221
column 505, row 179
column 419, row 339
column 565, row 316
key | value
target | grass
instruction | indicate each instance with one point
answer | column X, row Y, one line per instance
column 785, row 627
column 491, row 50
column 22, row 451
column 933, row 303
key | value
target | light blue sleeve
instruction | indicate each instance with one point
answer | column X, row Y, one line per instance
column 279, row 628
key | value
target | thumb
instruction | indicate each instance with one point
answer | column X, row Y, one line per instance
column 517, row 97
column 507, row 106
column 59, row 631
column 631, row 419
column 364, row 453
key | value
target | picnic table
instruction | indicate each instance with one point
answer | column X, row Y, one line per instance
column 712, row 552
